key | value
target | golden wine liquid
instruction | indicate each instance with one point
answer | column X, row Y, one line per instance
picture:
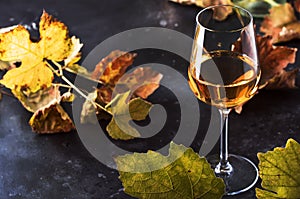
column 224, row 79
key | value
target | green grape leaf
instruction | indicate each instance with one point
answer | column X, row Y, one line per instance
column 124, row 112
column 183, row 174
column 280, row 172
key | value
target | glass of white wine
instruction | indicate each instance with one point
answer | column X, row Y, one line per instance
column 224, row 73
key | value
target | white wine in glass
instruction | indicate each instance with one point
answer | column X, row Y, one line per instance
column 225, row 77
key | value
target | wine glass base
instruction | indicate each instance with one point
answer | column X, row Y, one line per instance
column 243, row 176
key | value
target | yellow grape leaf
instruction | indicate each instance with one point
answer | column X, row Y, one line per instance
column 75, row 54
column 280, row 172
column 34, row 74
column 183, row 174
column 124, row 112
column 51, row 119
column 70, row 63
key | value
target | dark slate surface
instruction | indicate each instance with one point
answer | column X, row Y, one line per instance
column 58, row 166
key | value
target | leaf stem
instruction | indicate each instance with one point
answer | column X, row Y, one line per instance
column 60, row 74
column 61, row 85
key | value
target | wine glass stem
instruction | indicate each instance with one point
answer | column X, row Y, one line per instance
column 224, row 168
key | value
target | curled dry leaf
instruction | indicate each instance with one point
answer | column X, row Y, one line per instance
column 51, row 119
column 281, row 24
column 111, row 72
column 219, row 14
column 34, row 101
column 111, row 68
column 49, row 116
column 142, row 81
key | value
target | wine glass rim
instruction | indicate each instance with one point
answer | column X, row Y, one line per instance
column 223, row 5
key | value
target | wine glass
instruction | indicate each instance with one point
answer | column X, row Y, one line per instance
column 224, row 73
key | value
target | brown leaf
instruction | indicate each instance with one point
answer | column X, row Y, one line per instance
column 51, row 119
column 297, row 5
column 104, row 94
column 281, row 24
column 49, row 116
column 272, row 59
column 143, row 81
column 34, row 101
column 286, row 79
column 111, row 68
column 219, row 14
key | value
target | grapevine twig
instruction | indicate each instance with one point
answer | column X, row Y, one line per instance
column 60, row 74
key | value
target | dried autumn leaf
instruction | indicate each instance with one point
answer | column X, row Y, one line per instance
column 286, row 79
column 75, row 54
column 280, row 172
column 142, row 81
column 70, row 63
column 219, row 13
column 51, row 119
column 272, row 59
column 124, row 112
column 297, row 5
column 34, row 101
column 281, row 24
column 182, row 174
column 49, row 116
column 34, row 74
column 111, row 68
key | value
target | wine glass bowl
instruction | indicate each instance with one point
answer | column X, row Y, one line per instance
column 224, row 72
